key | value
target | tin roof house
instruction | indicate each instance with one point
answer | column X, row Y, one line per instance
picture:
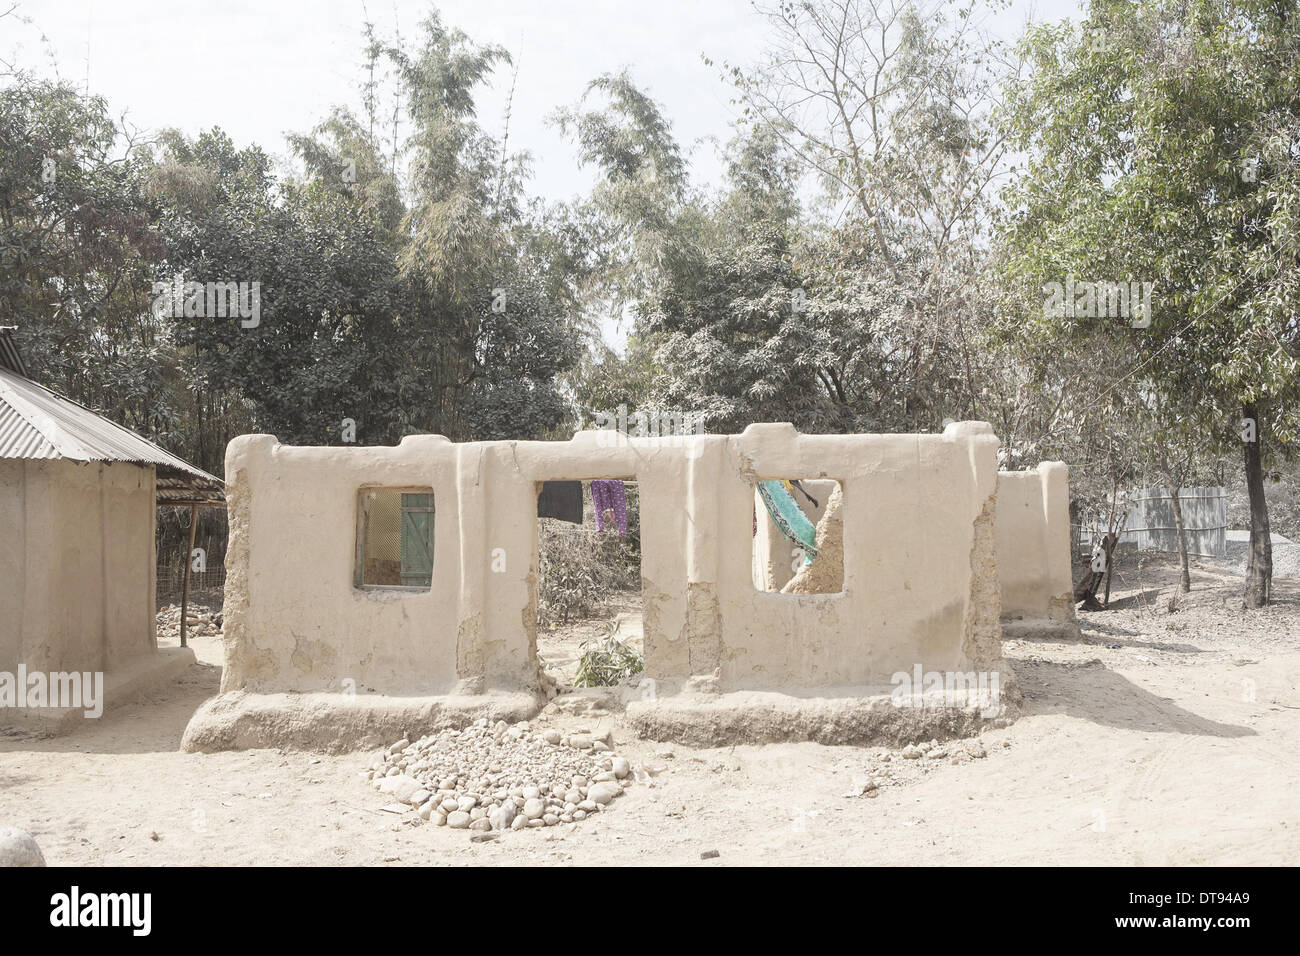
column 78, row 499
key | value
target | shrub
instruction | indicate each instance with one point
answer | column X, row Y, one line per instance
column 606, row 660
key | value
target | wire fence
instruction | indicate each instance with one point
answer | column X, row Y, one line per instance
column 207, row 561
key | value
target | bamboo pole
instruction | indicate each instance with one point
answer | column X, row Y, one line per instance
column 185, row 585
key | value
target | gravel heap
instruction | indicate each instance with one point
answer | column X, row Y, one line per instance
column 501, row 777
column 202, row 622
column 1286, row 554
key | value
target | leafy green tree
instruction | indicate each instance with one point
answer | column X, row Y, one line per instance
column 867, row 310
column 489, row 320
column 328, row 291
column 77, row 246
column 888, row 103
column 404, row 281
column 1160, row 137
column 633, row 213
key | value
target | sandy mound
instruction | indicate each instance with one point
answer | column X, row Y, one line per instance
column 826, row 574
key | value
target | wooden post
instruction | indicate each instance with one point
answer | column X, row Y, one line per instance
column 185, row 585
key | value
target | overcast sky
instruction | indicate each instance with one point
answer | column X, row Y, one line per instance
column 259, row 69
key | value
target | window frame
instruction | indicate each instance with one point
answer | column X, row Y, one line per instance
column 359, row 544
column 763, row 515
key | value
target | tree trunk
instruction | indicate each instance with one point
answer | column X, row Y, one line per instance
column 1259, row 566
column 1085, row 590
column 1182, row 534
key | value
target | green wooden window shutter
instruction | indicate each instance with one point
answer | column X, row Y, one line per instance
column 417, row 540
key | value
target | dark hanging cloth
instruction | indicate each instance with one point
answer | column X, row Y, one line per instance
column 561, row 499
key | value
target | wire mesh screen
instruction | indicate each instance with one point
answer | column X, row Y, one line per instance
column 396, row 538
column 207, row 561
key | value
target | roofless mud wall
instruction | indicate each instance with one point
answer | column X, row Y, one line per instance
column 919, row 581
column 1033, row 547
column 920, row 584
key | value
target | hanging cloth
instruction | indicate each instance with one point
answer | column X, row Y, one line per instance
column 789, row 520
column 606, row 496
column 793, row 484
column 561, row 499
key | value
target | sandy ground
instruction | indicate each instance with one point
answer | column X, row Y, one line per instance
column 1160, row 738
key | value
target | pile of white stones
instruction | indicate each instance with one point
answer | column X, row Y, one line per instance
column 501, row 777
column 200, row 622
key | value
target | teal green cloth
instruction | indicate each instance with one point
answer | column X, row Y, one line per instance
column 792, row 523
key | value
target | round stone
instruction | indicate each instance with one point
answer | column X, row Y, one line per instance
column 17, row 848
column 503, row 816
column 458, row 820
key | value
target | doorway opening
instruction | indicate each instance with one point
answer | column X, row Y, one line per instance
column 589, row 602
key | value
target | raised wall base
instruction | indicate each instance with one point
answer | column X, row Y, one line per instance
column 339, row 723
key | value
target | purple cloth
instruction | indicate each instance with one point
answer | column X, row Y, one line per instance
column 610, row 496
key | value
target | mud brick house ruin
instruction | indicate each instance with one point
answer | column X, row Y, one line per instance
column 328, row 639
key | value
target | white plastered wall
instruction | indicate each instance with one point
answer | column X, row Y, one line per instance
column 1033, row 543
column 77, row 566
column 920, row 582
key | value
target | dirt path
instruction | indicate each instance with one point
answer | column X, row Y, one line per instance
column 559, row 648
column 1153, row 752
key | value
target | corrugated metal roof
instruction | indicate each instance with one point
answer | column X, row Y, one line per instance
column 10, row 357
column 36, row 422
